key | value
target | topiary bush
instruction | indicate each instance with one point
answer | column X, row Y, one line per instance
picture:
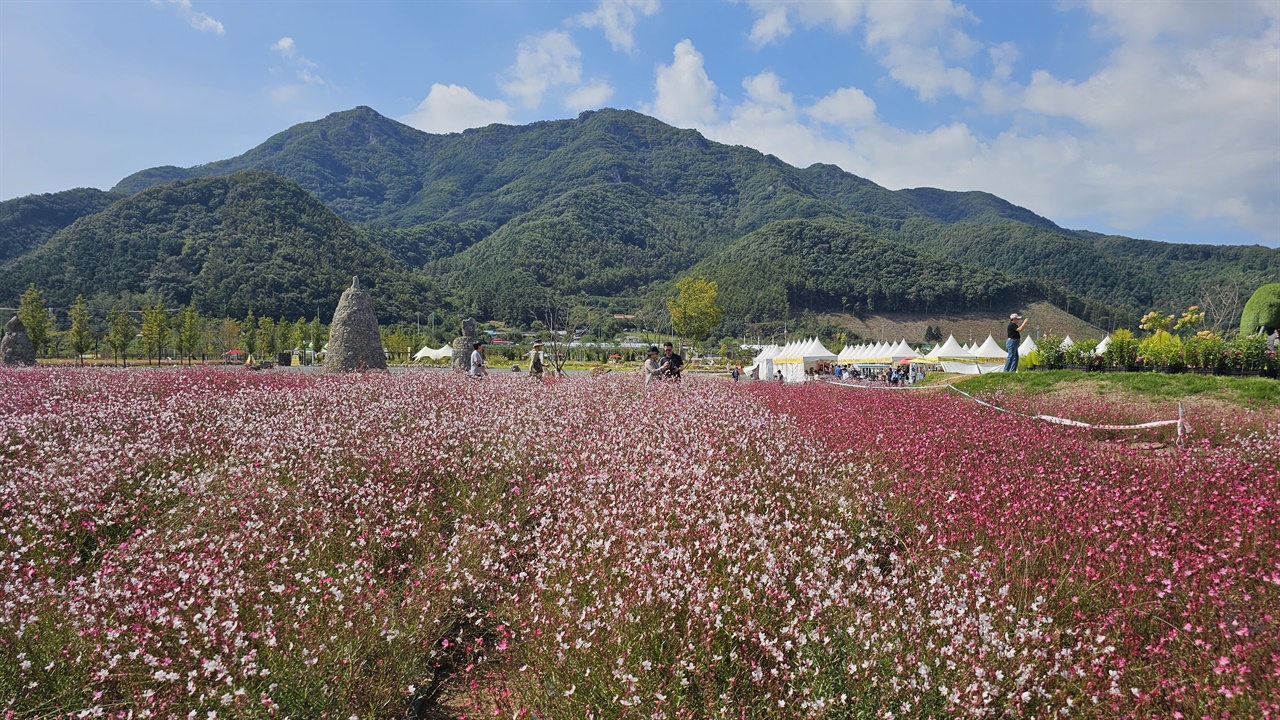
column 1262, row 310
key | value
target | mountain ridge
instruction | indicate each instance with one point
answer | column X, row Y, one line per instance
column 614, row 204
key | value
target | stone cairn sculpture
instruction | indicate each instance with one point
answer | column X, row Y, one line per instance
column 355, row 343
column 462, row 346
column 16, row 346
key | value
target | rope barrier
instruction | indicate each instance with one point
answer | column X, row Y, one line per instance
column 1183, row 427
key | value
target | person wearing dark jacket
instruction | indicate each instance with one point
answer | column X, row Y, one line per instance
column 1013, row 335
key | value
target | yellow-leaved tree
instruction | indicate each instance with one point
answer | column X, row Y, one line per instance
column 694, row 310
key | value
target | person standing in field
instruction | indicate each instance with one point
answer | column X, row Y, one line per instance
column 477, row 361
column 653, row 370
column 671, row 362
column 1013, row 336
column 535, row 362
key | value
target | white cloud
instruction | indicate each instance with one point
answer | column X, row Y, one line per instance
column 685, row 96
column 288, row 49
column 452, row 108
column 847, row 107
column 774, row 17
column 1179, row 122
column 588, row 97
column 917, row 42
column 198, row 20
column 543, row 62
column 618, row 19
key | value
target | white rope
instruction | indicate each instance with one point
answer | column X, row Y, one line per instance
column 1180, row 421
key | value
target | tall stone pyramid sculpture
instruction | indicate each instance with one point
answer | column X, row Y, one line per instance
column 16, row 346
column 355, row 342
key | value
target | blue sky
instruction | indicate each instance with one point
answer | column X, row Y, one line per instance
column 1151, row 119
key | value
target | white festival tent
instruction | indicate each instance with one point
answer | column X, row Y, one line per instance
column 955, row 358
column 429, row 353
column 763, row 365
column 991, row 351
column 1067, row 342
column 1102, row 346
column 901, row 351
column 1027, row 347
column 800, row 356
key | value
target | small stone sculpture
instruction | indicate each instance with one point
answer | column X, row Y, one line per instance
column 16, row 346
column 355, row 342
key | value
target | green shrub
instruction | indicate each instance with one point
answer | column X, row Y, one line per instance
column 1123, row 349
column 1082, row 353
column 1051, row 353
column 1160, row 350
column 1246, row 352
column 1204, row 350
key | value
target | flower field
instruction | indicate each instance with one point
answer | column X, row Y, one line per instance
column 211, row 543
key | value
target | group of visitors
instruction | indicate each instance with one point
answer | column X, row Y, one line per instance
column 666, row 368
column 891, row 376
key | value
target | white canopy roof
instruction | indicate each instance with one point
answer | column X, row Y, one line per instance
column 1027, row 347
column 990, row 349
column 1067, row 342
column 1102, row 346
column 952, row 349
column 427, row 352
column 768, row 353
column 901, row 351
column 804, row 351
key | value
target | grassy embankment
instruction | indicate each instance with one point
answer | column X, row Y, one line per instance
column 1245, row 391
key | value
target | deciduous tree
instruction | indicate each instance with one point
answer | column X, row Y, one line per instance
column 80, row 336
column 694, row 310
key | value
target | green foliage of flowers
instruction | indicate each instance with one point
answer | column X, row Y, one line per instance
column 1204, row 350
column 1122, row 350
column 1247, row 352
column 1161, row 349
column 1082, row 352
column 1051, row 353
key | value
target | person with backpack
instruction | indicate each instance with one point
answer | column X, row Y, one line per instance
column 535, row 362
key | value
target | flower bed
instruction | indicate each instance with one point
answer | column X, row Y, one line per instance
column 253, row 545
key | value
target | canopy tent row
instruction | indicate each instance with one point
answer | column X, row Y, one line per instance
column 955, row 358
column 799, row 357
column 763, row 365
column 877, row 354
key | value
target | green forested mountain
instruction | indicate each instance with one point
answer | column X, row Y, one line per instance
column 250, row 241
column 27, row 222
column 836, row 265
column 616, row 204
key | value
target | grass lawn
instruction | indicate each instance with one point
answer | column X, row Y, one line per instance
column 1255, row 391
